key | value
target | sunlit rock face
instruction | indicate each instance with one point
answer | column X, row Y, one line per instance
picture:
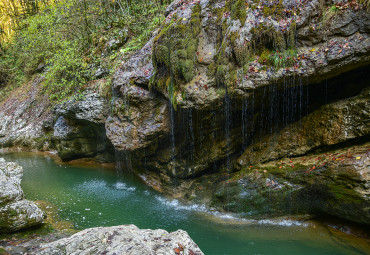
column 25, row 118
column 125, row 239
column 16, row 213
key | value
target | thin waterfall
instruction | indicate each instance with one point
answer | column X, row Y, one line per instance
column 118, row 164
column 307, row 96
column 173, row 149
column 192, row 138
column 245, row 120
column 213, row 126
column 227, row 115
column 300, row 101
column 326, row 91
column 171, row 90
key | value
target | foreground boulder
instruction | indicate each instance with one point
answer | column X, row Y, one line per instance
column 16, row 213
column 125, row 239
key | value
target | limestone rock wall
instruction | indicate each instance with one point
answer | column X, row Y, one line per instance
column 79, row 128
column 223, row 75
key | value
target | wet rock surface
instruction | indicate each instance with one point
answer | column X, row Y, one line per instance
column 236, row 74
column 331, row 124
column 125, row 239
column 334, row 182
column 251, row 83
column 16, row 213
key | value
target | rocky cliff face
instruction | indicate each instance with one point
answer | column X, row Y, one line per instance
column 246, row 82
column 225, row 85
column 232, row 70
column 24, row 118
column 79, row 129
column 16, row 213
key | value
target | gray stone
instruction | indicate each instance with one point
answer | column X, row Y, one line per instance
column 332, row 124
column 10, row 182
column 16, row 213
column 20, row 215
column 79, row 129
column 22, row 118
column 100, row 73
column 125, row 239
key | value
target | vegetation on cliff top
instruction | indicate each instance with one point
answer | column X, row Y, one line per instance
column 70, row 40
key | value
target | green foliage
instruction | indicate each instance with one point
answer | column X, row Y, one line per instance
column 175, row 52
column 278, row 59
column 267, row 37
column 238, row 11
column 68, row 38
column 68, row 72
column 366, row 3
column 333, row 8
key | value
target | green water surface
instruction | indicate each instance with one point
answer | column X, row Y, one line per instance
column 92, row 196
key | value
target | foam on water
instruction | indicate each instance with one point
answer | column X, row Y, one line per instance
column 284, row 223
column 123, row 186
column 201, row 208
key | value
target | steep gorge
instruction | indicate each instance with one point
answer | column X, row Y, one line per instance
column 222, row 99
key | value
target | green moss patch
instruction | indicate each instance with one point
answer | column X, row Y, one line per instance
column 175, row 52
column 238, row 11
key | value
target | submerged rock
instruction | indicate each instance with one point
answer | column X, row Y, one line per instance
column 125, row 239
column 16, row 213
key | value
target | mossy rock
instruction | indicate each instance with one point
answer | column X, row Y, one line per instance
column 174, row 52
column 238, row 11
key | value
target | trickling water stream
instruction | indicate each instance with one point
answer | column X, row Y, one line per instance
column 91, row 196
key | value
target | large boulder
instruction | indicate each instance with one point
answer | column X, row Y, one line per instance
column 16, row 213
column 125, row 239
column 79, row 130
column 10, row 181
column 20, row 215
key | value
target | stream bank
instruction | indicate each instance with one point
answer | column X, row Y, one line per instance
column 121, row 198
